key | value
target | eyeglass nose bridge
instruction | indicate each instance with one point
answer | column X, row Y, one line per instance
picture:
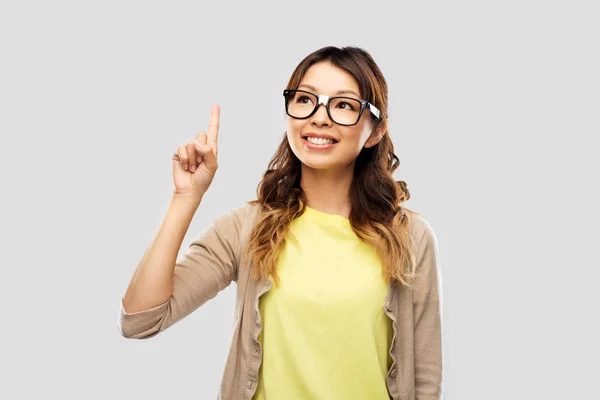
column 322, row 99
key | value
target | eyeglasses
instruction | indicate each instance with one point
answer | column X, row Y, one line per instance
column 342, row 110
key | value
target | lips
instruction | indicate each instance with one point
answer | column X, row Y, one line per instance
column 319, row 135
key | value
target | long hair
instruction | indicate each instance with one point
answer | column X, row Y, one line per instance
column 377, row 216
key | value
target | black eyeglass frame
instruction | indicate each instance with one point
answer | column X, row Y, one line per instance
column 325, row 100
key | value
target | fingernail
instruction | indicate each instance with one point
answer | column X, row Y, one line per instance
column 185, row 166
column 193, row 168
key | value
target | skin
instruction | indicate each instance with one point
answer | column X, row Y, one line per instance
column 327, row 174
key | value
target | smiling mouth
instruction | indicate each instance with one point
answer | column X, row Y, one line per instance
column 319, row 141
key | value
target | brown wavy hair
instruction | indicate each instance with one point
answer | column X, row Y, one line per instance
column 377, row 216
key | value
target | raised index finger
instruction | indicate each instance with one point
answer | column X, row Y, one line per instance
column 213, row 125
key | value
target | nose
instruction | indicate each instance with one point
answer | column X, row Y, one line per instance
column 320, row 117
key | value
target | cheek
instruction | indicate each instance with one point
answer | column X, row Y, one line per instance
column 294, row 126
column 356, row 137
column 363, row 134
column 293, row 135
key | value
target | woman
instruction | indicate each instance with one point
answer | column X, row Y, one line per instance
column 338, row 285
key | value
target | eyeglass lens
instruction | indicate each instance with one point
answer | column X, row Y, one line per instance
column 342, row 110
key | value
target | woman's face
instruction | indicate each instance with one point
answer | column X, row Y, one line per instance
column 324, row 78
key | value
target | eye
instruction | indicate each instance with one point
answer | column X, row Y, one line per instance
column 347, row 106
column 302, row 99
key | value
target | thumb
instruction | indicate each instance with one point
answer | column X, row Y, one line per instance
column 177, row 163
column 208, row 156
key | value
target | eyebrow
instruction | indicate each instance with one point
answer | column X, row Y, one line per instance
column 338, row 92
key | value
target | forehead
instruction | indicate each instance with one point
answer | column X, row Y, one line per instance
column 328, row 79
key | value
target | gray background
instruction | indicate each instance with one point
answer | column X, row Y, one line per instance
column 493, row 111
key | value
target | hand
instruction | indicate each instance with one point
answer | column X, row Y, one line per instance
column 195, row 164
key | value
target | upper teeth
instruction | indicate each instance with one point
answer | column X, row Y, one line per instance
column 319, row 140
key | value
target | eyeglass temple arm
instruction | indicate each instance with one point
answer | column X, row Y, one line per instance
column 374, row 110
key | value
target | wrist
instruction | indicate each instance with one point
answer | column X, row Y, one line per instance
column 187, row 197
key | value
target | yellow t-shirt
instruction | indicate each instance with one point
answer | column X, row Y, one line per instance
column 325, row 334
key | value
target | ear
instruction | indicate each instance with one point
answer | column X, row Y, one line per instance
column 376, row 135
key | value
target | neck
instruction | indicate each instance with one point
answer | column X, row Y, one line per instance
column 327, row 190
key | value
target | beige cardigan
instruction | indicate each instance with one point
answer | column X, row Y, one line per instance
column 213, row 261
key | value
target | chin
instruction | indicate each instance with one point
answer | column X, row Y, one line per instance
column 320, row 162
column 317, row 165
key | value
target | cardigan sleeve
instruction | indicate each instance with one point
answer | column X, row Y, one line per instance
column 427, row 312
column 208, row 266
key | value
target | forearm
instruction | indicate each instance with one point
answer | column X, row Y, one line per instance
column 152, row 280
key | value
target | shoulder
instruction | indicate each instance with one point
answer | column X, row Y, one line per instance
column 421, row 230
column 426, row 252
column 238, row 218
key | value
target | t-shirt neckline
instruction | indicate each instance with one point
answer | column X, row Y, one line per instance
column 321, row 216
